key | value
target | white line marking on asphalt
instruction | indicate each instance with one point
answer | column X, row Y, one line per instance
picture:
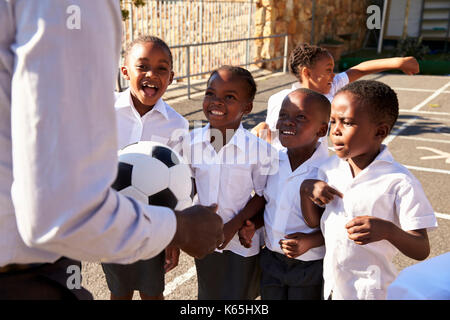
column 178, row 281
column 442, row 215
column 424, row 139
column 418, row 90
column 425, row 112
column 427, row 169
column 434, row 95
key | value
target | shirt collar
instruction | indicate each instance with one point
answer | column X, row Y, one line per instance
column 384, row 155
column 124, row 100
column 315, row 160
column 204, row 135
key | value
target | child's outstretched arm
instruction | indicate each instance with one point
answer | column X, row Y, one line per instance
column 313, row 195
column 408, row 65
column 366, row 229
column 253, row 206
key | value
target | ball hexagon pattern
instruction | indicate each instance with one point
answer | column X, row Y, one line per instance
column 154, row 174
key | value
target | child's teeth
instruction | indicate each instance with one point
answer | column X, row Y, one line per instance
column 217, row 113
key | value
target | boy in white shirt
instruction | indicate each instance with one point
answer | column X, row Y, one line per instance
column 313, row 67
column 292, row 261
column 228, row 164
column 143, row 115
column 380, row 206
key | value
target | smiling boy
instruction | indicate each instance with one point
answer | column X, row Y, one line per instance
column 143, row 115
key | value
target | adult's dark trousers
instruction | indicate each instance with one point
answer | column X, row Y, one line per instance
column 48, row 281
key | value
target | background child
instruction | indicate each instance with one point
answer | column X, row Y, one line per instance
column 292, row 262
column 143, row 115
column 313, row 67
column 228, row 164
column 380, row 206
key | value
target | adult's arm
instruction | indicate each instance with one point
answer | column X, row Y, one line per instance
column 63, row 134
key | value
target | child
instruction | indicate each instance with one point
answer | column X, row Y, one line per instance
column 143, row 115
column 313, row 67
column 228, row 164
column 292, row 261
column 380, row 206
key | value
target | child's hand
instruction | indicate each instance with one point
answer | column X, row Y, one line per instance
column 295, row 244
column 172, row 256
column 409, row 65
column 229, row 230
column 246, row 233
column 262, row 130
column 319, row 191
column 366, row 229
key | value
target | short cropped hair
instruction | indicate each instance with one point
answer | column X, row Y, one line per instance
column 322, row 102
column 379, row 99
column 147, row 39
column 305, row 55
column 241, row 73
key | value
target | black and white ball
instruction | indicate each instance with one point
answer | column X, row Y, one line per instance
column 154, row 174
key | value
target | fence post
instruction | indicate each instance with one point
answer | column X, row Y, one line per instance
column 130, row 8
column 249, row 35
column 188, row 70
column 285, row 53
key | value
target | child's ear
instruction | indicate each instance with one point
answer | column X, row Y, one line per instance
column 124, row 71
column 382, row 131
column 248, row 107
column 323, row 130
column 171, row 77
column 305, row 73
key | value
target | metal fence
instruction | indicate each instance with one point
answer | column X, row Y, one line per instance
column 202, row 34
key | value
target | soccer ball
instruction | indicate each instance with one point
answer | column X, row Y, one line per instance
column 154, row 174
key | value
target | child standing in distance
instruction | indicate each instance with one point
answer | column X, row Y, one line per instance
column 313, row 67
column 374, row 205
column 292, row 261
column 228, row 164
column 143, row 115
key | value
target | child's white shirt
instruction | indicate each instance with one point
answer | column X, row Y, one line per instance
column 229, row 177
column 161, row 124
column 386, row 190
column 275, row 101
column 283, row 214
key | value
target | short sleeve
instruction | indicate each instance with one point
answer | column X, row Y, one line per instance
column 413, row 208
column 268, row 164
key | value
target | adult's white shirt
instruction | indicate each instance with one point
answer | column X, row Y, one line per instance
column 58, row 65
column 426, row 280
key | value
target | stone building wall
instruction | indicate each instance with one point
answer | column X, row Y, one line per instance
column 333, row 18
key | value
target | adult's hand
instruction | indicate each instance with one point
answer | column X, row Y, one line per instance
column 199, row 230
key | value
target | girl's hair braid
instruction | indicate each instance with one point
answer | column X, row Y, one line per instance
column 304, row 55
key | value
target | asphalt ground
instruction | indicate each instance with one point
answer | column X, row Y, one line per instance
column 420, row 141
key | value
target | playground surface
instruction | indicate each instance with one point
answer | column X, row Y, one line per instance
column 420, row 141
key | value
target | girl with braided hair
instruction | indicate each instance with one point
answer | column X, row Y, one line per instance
column 313, row 67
